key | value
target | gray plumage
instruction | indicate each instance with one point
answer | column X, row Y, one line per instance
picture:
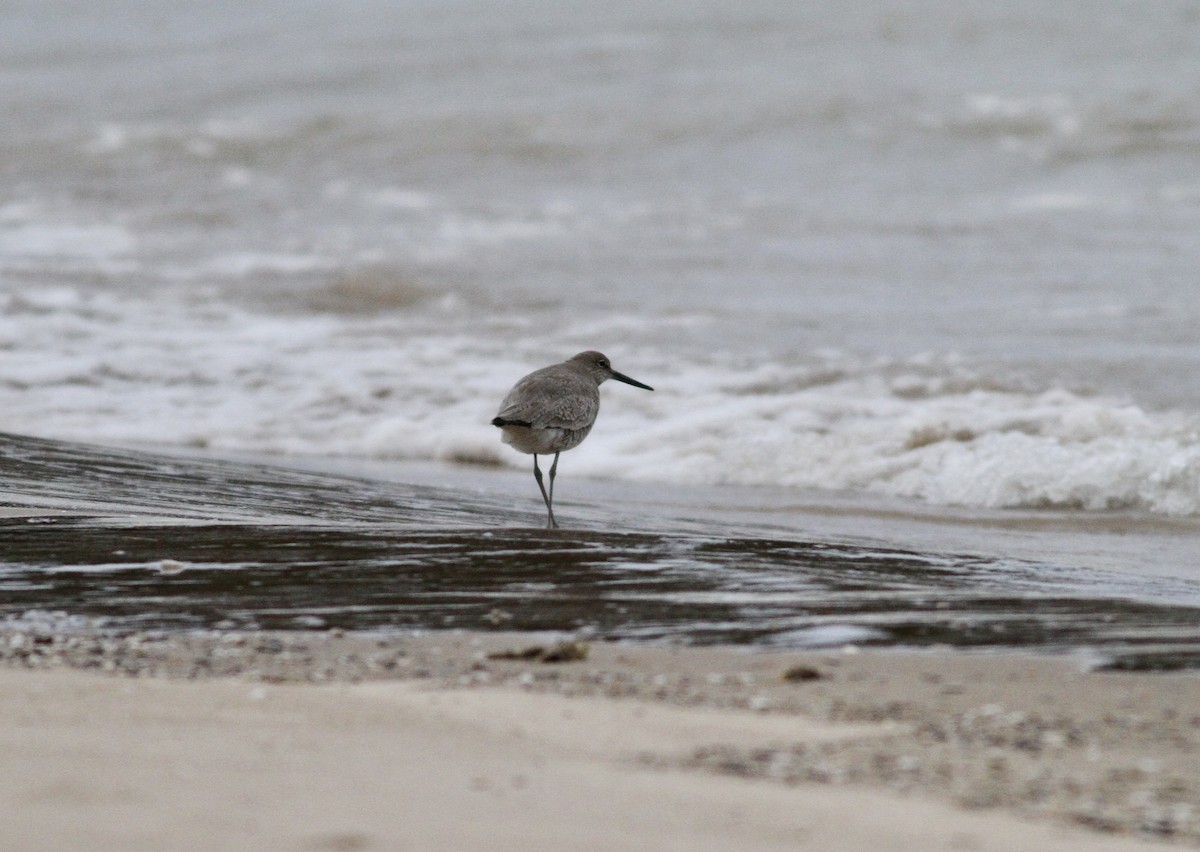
column 553, row 409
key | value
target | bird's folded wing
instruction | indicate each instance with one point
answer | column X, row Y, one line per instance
column 551, row 403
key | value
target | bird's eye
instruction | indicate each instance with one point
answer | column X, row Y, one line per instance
column 603, row 362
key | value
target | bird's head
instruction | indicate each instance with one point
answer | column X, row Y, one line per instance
column 597, row 365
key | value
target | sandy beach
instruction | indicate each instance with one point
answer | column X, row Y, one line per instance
column 326, row 740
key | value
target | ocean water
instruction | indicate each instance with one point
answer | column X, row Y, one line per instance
column 945, row 252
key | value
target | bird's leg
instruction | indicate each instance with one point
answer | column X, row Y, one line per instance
column 553, row 470
column 537, row 474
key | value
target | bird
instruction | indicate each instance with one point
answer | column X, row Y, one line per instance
column 553, row 409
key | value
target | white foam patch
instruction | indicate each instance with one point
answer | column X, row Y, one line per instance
column 827, row 636
column 64, row 241
column 41, row 622
column 200, row 140
column 246, row 264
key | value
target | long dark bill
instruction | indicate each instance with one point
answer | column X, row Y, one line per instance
column 621, row 377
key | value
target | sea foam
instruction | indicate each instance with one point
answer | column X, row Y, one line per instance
column 867, row 428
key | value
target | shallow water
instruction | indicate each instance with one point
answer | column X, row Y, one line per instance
column 111, row 540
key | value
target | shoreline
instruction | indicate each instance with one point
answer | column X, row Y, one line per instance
column 1001, row 751
column 150, row 540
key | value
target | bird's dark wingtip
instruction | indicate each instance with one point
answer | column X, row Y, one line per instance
column 500, row 421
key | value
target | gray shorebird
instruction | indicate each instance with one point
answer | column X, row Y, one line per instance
column 552, row 410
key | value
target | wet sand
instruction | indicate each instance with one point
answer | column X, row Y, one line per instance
column 328, row 740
